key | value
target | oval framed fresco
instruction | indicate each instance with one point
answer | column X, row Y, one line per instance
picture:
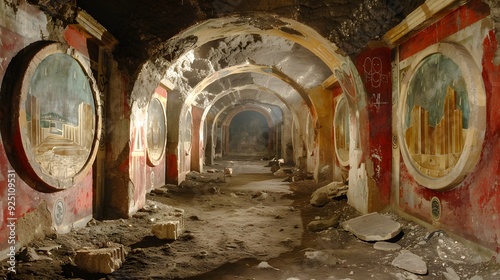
column 156, row 131
column 56, row 117
column 187, row 133
column 341, row 131
column 442, row 115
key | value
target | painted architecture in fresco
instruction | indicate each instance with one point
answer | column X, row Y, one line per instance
column 60, row 116
column 436, row 116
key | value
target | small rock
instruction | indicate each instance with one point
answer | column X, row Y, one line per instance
column 166, row 230
column 29, row 254
column 214, row 190
column 321, row 225
column 323, row 195
column 476, row 277
column 386, row 246
column 265, row 265
column 410, row 262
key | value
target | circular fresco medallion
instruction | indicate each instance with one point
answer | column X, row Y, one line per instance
column 442, row 116
column 57, row 119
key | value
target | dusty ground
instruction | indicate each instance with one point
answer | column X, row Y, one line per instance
column 251, row 225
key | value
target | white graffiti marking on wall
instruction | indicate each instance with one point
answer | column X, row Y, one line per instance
column 373, row 71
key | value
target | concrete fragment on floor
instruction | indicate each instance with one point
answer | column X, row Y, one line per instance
column 372, row 227
column 410, row 262
column 166, row 230
column 101, row 260
column 386, row 246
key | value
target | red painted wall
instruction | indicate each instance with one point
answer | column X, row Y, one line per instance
column 471, row 209
column 78, row 198
column 374, row 67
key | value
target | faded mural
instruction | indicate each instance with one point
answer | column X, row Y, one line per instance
column 341, row 128
column 60, row 116
column 436, row 115
column 156, row 130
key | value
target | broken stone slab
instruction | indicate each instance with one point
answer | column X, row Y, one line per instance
column 450, row 274
column 386, row 246
column 100, row 260
column 321, row 225
column 410, row 262
column 323, row 195
column 372, row 227
column 166, row 230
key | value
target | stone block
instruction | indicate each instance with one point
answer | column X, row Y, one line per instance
column 100, row 260
column 166, row 230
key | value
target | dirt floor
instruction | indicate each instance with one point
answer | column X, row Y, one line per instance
column 251, row 225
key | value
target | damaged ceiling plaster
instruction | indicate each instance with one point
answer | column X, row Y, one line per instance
column 263, row 43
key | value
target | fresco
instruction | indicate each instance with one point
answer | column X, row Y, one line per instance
column 156, row 130
column 60, row 116
column 341, row 127
column 436, row 115
column 187, row 132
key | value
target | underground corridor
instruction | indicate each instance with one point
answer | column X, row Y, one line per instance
column 232, row 139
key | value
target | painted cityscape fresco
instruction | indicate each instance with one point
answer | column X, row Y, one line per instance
column 437, row 115
column 60, row 116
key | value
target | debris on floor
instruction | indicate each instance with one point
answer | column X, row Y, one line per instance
column 325, row 194
column 372, row 227
column 166, row 230
column 265, row 265
column 320, row 225
column 386, row 246
column 29, row 254
column 101, row 260
column 255, row 219
column 410, row 262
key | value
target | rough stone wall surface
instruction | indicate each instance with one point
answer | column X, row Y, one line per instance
column 349, row 24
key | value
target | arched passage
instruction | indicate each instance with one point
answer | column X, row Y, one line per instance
column 232, row 56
